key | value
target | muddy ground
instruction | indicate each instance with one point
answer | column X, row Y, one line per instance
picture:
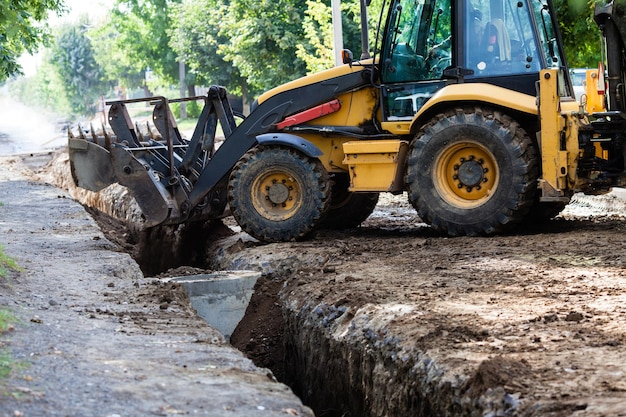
column 391, row 319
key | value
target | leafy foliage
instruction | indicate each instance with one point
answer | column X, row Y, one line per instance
column 20, row 30
column 581, row 36
column 263, row 37
column 196, row 36
column 318, row 52
column 140, row 38
column 44, row 89
column 115, row 61
column 82, row 77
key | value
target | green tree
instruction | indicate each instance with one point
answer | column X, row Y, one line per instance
column 116, row 63
column 21, row 31
column 82, row 78
column 263, row 37
column 318, row 50
column 141, row 39
column 581, row 35
column 44, row 89
column 196, row 41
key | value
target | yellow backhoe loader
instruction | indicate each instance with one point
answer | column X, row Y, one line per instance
column 465, row 105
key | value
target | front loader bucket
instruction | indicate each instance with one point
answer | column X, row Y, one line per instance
column 91, row 165
column 143, row 184
column 160, row 168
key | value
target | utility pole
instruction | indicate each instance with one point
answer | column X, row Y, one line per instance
column 337, row 31
column 183, row 90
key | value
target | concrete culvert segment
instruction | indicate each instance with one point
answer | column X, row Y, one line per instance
column 392, row 319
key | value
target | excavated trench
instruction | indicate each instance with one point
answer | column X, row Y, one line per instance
column 354, row 337
column 265, row 330
column 360, row 375
column 268, row 333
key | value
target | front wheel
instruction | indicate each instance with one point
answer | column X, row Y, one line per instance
column 471, row 172
column 278, row 194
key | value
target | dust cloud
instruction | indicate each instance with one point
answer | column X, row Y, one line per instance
column 26, row 130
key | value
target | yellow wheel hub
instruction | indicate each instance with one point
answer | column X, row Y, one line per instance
column 276, row 195
column 466, row 174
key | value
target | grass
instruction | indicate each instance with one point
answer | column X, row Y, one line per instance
column 6, row 262
column 7, row 364
column 6, row 320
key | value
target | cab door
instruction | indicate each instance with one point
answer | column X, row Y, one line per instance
column 418, row 47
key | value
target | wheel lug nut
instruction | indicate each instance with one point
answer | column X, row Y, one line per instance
column 462, row 159
column 485, row 170
column 456, row 167
column 480, row 161
column 478, row 187
column 455, row 177
column 460, row 186
column 485, row 180
column 469, row 189
column 472, row 157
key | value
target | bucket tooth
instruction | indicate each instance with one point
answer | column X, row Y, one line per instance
column 107, row 138
column 81, row 132
column 70, row 134
column 150, row 132
column 94, row 136
column 139, row 133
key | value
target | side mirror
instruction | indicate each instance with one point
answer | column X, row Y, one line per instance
column 347, row 57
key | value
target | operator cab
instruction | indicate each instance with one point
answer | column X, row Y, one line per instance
column 431, row 43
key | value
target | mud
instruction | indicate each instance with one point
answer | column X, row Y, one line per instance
column 391, row 319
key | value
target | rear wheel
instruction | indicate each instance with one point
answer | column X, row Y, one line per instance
column 541, row 212
column 472, row 171
column 278, row 194
column 347, row 209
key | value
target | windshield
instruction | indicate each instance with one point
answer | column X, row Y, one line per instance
column 500, row 38
column 417, row 46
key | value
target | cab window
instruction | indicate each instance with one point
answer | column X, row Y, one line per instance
column 418, row 45
column 499, row 38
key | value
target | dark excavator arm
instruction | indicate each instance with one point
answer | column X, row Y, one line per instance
column 174, row 180
column 610, row 18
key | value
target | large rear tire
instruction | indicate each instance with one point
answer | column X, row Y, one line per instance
column 471, row 172
column 347, row 209
column 277, row 194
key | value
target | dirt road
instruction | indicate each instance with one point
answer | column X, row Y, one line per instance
column 391, row 319
column 95, row 338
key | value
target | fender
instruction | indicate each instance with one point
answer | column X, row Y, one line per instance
column 469, row 93
column 486, row 93
column 293, row 141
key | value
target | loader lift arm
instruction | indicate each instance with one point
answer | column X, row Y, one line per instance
column 175, row 180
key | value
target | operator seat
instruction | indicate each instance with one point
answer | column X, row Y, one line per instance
column 496, row 42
